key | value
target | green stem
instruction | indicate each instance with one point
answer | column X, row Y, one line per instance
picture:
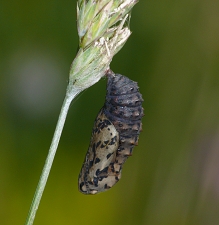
column 70, row 95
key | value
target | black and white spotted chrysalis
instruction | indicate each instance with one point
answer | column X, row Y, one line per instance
column 115, row 133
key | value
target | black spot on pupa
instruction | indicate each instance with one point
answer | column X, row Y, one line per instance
column 81, row 185
column 106, row 186
column 91, row 163
column 98, row 143
column 93, row 148
column 91, row 183
column 109, row 155
column 95, row 181
column 102, row 172
column 106, row 142
column 97, row 172
column 97, row 160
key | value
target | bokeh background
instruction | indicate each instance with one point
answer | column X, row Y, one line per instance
column 173, row 176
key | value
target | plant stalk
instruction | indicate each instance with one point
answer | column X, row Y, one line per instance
column 70, row 95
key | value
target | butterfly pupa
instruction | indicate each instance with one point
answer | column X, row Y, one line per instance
column 115, row 133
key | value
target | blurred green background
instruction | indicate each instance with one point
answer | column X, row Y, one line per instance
column 173, row 176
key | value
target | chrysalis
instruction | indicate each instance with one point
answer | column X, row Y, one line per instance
column 115, row 133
